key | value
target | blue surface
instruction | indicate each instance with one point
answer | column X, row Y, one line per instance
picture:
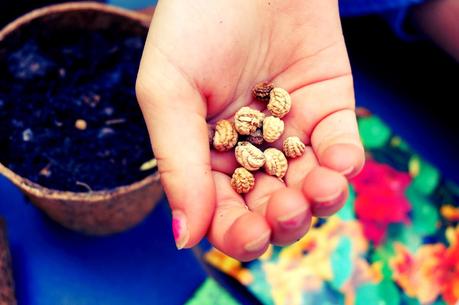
column 52, row 265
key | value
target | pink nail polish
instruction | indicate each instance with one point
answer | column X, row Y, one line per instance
column 180, row 229
column 293, row 220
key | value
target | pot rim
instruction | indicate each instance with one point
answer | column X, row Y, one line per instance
column 34, row 188
column 144, row 19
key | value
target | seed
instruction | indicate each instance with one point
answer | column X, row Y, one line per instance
column 261, row 91
column 242, row 180
column 279, row 103
column 249, row 156
column 247, row 120
column 27, row 135
column 256, row 137
column 276, row 164
column 293, row 147
column 81, row 124
column 225, row 136
column 272, row 128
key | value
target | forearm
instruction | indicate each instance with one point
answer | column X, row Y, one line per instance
column 439, row 20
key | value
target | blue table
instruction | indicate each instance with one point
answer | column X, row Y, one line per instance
column 53, row 265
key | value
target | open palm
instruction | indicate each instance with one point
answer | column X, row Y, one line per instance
column 201, row 60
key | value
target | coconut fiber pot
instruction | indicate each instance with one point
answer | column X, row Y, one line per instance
column 102, row 211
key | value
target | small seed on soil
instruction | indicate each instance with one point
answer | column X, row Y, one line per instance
column 81, row 124
column 45, row 171
column 149, row 165
column 27, row 135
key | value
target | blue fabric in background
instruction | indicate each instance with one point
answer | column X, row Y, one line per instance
column 133, row 4
column 365, row 7
column 394, row 11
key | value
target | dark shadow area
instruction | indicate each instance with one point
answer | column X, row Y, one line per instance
column 11, row 9
column 421, row 83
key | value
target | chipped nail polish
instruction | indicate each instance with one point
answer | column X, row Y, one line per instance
column 180, row 229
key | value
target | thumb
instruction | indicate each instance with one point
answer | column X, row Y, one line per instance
column 175, row 113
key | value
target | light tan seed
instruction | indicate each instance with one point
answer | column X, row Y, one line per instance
column 81, row 124
column 276, row 163
column 273, row 128
column 247, row 120
column 242, row 180
column 293, row 147
column 225, row 136
column 279, row 102
column 249, row 156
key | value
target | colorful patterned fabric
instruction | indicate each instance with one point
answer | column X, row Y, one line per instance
column 210, row 293
column 396, row 241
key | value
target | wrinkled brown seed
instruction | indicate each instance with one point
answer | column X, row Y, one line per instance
column 256, row 137
column 261, row 91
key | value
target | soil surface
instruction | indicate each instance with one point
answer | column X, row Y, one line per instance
column 69, row 118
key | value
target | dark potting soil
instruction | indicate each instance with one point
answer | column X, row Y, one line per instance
column 47, row 84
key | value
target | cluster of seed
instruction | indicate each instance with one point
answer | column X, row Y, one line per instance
column 251, row 128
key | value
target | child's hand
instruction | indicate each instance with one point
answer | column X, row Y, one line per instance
column 200, row 63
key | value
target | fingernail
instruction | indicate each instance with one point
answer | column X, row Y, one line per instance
column 258, row 244
column 329, row 199
column 347, row 171
column 180, row 229
column 292, row 220
column 326, row 206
